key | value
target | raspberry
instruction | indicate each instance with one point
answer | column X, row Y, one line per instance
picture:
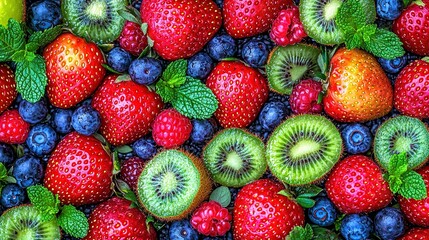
column 211, row 219
column 287, row 29
column 304, row 97
column 132, row 38
column 171, row 129
column 130, row 171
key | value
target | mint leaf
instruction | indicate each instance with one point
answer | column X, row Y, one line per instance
column 413, row 186
column 175, row 73
column 41, row 38
column 73, row 222
column 305, row 202
column 385, row 44
column 165, row 91
column 222, row 195
column 23, row 55
column 301, row 233
column 351, row 14
column 367, row 32
column 3, row 172
column 407, row 2
column 129, row 16
column 398, row 164
column 44, row 201
column 308, row 191
column 31, row 78
column 12, row 39
column 323, row 233
column 395, row 183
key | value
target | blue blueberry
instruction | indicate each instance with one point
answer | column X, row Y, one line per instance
column 61, row 120
column 356, row 227
column 6, row 154
column 200, row 65
column 389, row 223
column 86, row 120
column 389, row 9
column 202, row 130
column 222, row 46
column 145, row 70
column 357, row 138
column 219, row 3
column 27, row 171
column 137, row 4
column 182, row 230
column 33, row 112
column 44, row 14
column 323, row 212
column 119, row 59
column 272, row 114
column 395, row 65
column 12, row 195
column 255, row 53
column 41, row 139
column 145, row 148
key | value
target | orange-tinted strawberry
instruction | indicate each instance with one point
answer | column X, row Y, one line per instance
column 13, row 129
column 7, row 87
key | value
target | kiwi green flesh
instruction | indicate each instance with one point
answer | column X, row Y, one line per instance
column 233, row 158
column 290, row 64
column 402, row 134
column 25, row 223
column 303, row 149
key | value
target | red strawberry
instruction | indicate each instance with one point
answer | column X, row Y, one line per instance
column 180, row 28
column 241, row 92
column 261, row 213
column 416, row 234
column 287, row 28
column 171, row 129
column 79, row 170
column 127, row 109
column 356, row 185
column 131, row 170
column 115, row 219
column 7, row 87
column 13, row 129
column 74, row 69
column 132, row 38
column 304, row 97
column 211, row 219
column 412, row 90
column 246, row 18
column 412, row 27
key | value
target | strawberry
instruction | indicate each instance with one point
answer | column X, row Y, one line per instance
column 356, row 185
column 116, row 219
column 240, row 90
column 79, row 170
column 358, row 90
column 127, row 109
column 304, row 97
column 211, row 219
column 260, row 212
column 287, row 28
column 180, row 28
column 416, row 234
column 7, row 87
column 246, row 18
column 13, row 129
column 74, row 69
column 132, row 38
column 412, row 91
column 171, row 129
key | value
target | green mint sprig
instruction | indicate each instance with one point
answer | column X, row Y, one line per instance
column 4, row 177
column 301, row 233
column 222, row 195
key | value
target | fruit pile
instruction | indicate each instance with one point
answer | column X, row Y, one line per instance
column 202, row 119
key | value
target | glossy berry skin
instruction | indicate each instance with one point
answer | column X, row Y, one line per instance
column 323, row 213
column 171, row 129
column 33, row 112
column 145, row 148
column 12, row 195
column 202, row 130
column 304, row 97
column 287, row 28
column 355, row 226
column 357, row 138
column 13, row 129
column 41, row 139
column 395, row 65
column 200, row 65
column 211, row 219
column 356, row 185
column 252, row 205
column 8, row 87
column 145, row 70
column 240, row 90
column 389, row 223
column 416, row 234
column 74, row 69
column 272, row 114
column 86, row 120
column 389, row 9
column 255, row 53
column 130, row 171
column 182, row 230
column 132, row 38
column 44, row 14
column 61, row 120
column 116, row 219
column 79, row 170
column 6, row 154
column 221, row 46
column 119, row 59
column 27, row 171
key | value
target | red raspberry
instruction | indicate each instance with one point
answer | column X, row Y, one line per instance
column 13, row 129
column 171, row 129
column 304, row 97
column 132, row 38
column 211, row 219
column 130, row 171
column 287, row 29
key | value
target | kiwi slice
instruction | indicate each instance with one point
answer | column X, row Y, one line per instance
column 234, row 157
column 288, row 65
column 25, row 222
column 402, row 134
column 303, row 149
column 173, row 184
column 95, row 20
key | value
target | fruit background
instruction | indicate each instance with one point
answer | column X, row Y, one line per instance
column 201, row 119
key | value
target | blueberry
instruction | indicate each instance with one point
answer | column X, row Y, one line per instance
column 12, row 195
column 86, row 120
column 323, row 212
column 27, row 171
column 357, row 138
column 145, row 70
column 272, row 114
column 395, row 65
column 6, row 154
column 200, row 65
column 255, row 53
column 219, row 3
column 356, row 227
column 182, row 230
column 41, row 139
column 33, row 112
column 222, row 46
column 389, row 9
column 119, row 59
column 389, row 223
column 202, row 130
column 145, row 148
column 61, row 120
column 137, row 4
column 44, row 14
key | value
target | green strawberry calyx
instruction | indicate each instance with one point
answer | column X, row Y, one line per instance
column 301, row 233
column 304, row 194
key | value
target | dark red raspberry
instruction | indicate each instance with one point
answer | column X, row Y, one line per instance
column 304, row 97
column 287, row 29
column 131, row 170
column 211, row 219
column 132, row 38
column 171, row 129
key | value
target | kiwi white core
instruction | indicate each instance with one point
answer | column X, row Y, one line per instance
column 97, row 10
column 331, row 9
column 303, row 148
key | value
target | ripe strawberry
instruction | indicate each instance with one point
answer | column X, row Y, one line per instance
column 79, row 170
column 116, row 219
column 246, row 18
column 356, row 185
column 287, row 28
column 171, row 129
column 211, row 219
column 127, row 109
column 358, row 90
column 416, row 234
column 74, row 69
column 261, row 213
column 7, row 86
column 131, row 170
column 13, row 129
column 412, row 27
column 304, row 97
column 241, row 92
column 132, row 38
column 412, row 91
column 180, row 28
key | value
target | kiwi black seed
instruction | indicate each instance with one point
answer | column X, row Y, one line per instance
column 235, row 157
column 173, row 184
column 95, row 20
column 303, row 149
column 25, row 222
column 402, row 134
column 290, row 64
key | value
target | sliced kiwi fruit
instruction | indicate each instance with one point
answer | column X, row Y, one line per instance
column 173, row 184
column 95, row 20
column 288, row 65
column 303, row 149
column 25, row 222
column 402, row 134
column 235, row 157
